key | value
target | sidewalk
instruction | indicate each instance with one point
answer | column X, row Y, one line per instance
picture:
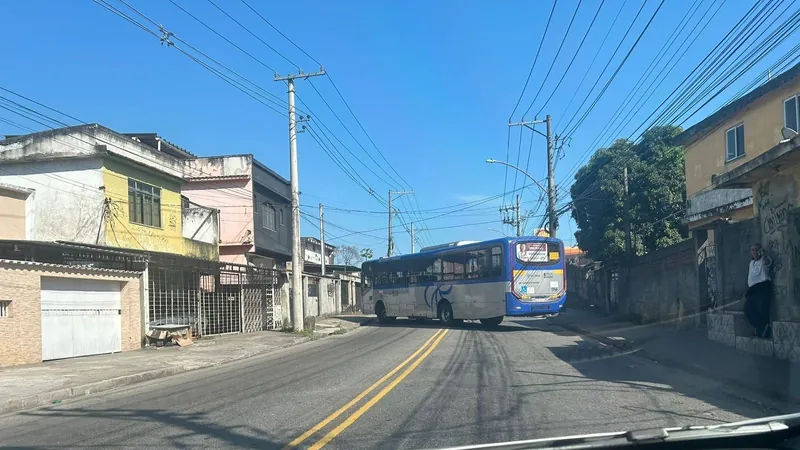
column 690, row 350
column 23, row 387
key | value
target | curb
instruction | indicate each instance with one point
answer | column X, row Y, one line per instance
column 367, row 322
column 627, row 345
column 58, row 395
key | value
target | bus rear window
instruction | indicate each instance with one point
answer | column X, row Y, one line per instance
column 539, row 252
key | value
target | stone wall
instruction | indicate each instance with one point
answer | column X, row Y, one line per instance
column 661, row 286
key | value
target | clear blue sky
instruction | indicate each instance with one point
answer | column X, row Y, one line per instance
column 433, row 82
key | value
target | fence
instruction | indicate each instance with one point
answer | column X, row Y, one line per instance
column 213, row 299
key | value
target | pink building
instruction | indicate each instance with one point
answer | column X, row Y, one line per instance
column 254, row 204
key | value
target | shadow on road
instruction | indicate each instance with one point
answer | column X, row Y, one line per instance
column 179, row 430
column 623, row 370
column 505, row 327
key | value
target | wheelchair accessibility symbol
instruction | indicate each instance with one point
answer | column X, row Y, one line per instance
column 524, row 289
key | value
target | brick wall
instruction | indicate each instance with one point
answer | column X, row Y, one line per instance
column 21, row 330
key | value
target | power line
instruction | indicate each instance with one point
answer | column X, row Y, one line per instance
column 632, row 94
column 600, row 74
column 253, row 34
column 594, row 58
column 533, row 65
column 404, row 183
column 614, row 75
column 553, row 63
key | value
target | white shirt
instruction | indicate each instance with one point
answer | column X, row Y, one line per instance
column 759, row 271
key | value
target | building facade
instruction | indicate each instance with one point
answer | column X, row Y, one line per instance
column 96, row 186
column 312, row 251
column 731, row 137
column 743, row 184
column 254, row 204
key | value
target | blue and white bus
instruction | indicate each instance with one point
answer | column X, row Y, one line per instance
column 486, row 281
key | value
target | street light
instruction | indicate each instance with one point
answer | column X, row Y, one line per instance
column 494, row 161
column 497, row 231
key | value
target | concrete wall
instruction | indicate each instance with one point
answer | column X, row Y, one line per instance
column 16, row 213
column 763, row 120
column 661, row 286
column 234, row 200
column 201, row 224
column 329, row 299
column 21, row 331
column 732, row 242
column 219, row 166
column 776, row 201
column 68, row 200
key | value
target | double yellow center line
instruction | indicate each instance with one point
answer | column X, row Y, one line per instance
column 417, row 359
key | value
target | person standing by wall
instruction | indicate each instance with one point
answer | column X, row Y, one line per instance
column 759, row 292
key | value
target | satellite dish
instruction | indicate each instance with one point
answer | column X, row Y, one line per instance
column 788, row 133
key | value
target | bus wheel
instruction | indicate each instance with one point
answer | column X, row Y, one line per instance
column 446, row 314
column 380, row 311
column 492, row 321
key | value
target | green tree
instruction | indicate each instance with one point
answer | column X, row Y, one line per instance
column 366, row 253
column 657, row 190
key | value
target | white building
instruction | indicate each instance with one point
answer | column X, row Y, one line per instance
column 312, row 251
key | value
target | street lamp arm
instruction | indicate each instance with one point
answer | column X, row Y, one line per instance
column 494, row 161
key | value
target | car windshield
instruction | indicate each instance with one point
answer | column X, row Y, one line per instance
column 420, row 224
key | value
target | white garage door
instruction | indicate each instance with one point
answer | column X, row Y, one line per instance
column 80, row 317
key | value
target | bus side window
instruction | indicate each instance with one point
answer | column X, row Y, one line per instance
column 453, row 266
column 477, row 264
column 496, row 268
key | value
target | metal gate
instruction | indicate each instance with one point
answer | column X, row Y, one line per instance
column 80, row 317
column 227, row 298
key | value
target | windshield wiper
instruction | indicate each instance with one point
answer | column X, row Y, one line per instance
column 766, row 427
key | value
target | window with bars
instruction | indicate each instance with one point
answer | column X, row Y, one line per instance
column 791, row 113
column 4, row 306
column 268, row 216
column 734, row 142
column 144, row 204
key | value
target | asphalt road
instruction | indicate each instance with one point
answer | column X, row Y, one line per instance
column 468, row 385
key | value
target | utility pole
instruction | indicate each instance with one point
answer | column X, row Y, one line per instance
column 513, row 219
column 412, row 237
column 390, row 246
column 297, row 268
column 627, row 213
column 322, row 239
column 551, row 188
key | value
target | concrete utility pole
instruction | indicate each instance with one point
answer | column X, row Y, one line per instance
column 297, row 267
column 551, row 188
column 322, row 238
column 390, row 246
column 412, row 237
column 514, row 219
column 627, row 213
